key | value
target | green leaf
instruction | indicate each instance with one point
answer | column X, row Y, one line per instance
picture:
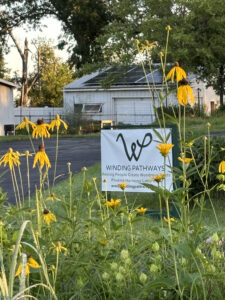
column 163, row 192
column 158, row 135
column 171, row 118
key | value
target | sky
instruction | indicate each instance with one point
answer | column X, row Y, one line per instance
column 51, row 31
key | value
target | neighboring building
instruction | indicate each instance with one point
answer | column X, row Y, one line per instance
column 6, row 107
column 128, row 100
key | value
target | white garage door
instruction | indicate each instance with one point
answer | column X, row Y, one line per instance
column 134, row 111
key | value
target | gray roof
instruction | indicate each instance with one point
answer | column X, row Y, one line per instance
column 116, row 77
column 8, row 83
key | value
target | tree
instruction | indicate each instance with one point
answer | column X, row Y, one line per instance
column 54, row 75
column 82, row 20
column 26, row 85
column 196, row 39
column 206, row 53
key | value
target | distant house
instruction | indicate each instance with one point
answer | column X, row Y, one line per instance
column 122, row 95
column 6, row 107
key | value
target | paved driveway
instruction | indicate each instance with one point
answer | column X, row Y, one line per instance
column 79, row 151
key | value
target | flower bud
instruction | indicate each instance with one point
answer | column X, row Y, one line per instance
column 114, row 266
column 153, row 268
column 119, row 277
column 155, row 247
column 215, row 238
column 105, row 276
column 124, row 254
column 143, row 278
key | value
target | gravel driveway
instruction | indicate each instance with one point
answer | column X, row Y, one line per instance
column 79, row 152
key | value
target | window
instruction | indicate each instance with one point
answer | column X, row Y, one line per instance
column 78, row 108
column 92, row 108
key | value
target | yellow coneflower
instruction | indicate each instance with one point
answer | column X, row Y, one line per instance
column 57, row 122
column 122, row 185
column 58, row 247
column 25, row 124
column 222, row 166
column 186, row 160
column 178, row 71
column 158, row 178
column 40, row 130
column 48, row 216
column 141, row 210
column 167, row 220
column 30, row 263
column 185, row 93
column 113, row 203
column 164, row 148
column 10, row 158
column 42, row 158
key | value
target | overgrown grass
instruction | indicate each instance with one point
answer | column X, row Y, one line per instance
column 11, row 138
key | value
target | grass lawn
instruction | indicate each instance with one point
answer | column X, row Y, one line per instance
column 11, row 138
column 198, row 126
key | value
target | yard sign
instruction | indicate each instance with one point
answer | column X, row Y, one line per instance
column 131, row 156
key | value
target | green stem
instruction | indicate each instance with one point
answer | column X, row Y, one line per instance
column 56, row 155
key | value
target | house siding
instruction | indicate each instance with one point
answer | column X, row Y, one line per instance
column 6, row 107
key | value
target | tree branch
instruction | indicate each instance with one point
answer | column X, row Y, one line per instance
column 35, row 78
column 15, row 42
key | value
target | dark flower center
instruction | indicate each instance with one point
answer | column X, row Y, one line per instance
column 40, row 121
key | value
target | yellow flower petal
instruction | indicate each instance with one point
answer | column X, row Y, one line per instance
column 164, row 148
column 222, row 167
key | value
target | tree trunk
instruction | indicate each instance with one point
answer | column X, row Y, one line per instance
column 24, row 90
column 221, row 84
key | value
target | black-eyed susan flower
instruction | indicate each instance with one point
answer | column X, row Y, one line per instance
column 164, row 148
column 222, row 166
column 57, row 122
column 113, row 203
column 141, row 210
column 122, row 185
column 58, row 247
column 186, row 160
column 41, row 130
column 185, row 93
column 25, row 124
column 167, row 220
column 42, row 158
column 158, row 178
column 10, row 158
column 48, row 216
column 31, row 263
column 176, row 71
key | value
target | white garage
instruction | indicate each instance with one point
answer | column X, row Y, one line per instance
column 133, row 111
column 6, row 107
column 121, row 95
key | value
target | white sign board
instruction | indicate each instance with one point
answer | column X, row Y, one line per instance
column 131, row 156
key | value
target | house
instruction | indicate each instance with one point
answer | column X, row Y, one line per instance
column 121, row 95
column 6, row 107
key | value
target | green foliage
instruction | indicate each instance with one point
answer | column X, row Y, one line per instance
column 217, row 146
column 54, row 75
column 78, row 124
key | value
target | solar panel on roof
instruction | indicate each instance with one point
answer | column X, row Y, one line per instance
column 129, row 75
